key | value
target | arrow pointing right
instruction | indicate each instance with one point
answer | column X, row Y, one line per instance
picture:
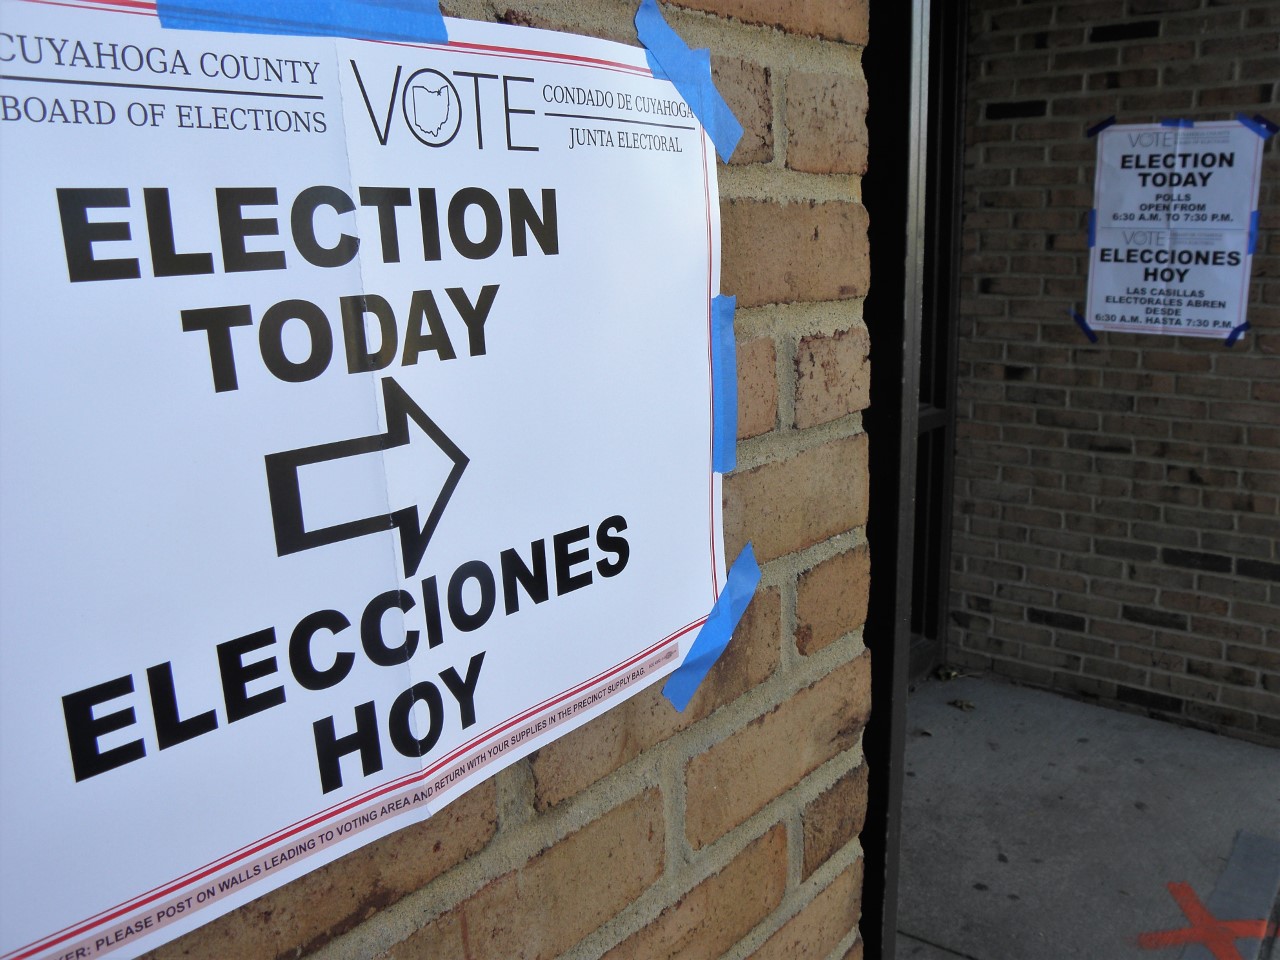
column 285, row 491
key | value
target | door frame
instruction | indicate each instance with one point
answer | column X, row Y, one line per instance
column 915, row 69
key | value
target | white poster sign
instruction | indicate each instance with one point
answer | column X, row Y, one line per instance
column 355, row 441
column 1173, row 229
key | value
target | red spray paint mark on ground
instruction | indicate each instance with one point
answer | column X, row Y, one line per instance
column 1217, row 936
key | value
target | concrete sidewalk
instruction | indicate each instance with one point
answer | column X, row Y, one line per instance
column 1040, row 828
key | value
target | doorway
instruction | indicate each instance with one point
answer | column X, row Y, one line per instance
column 915, row 75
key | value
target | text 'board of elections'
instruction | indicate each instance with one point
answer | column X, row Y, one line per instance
column 1173, row 229
column 355, row 440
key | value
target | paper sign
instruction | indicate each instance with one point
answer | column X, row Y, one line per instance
column 1173, row 228
column 355, row 441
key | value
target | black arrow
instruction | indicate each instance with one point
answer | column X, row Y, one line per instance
column 286, row 494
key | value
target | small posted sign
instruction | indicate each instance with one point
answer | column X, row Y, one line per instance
column 1174, row 228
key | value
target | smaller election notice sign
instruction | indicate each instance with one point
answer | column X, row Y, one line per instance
column 1173, row 228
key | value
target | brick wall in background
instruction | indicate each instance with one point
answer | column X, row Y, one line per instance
column 1117, row 508
column 731, row 829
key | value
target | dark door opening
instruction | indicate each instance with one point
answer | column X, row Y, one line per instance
column 914, row 66
column 936, row 363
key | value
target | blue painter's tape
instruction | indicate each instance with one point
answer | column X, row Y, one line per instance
column 1237, row 333
column 1093, row 228
column 1083, row 324
column 1253, row 232
column 406, row 20
column 1259, row 125
column 1177, row 123
column 690, row 71
column 1101, row 125
column 739, row 587
column 724, row 385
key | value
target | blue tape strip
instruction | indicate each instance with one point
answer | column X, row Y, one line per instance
column 724, row 385
column 1093, row 228
column 409, row 20
column 690, row 70
column 1101, row 125
column 1259, row 125
column 1083, row 324
column 1253, row 232
column 1237, row 333
column 1177, row 123
column 739, row 587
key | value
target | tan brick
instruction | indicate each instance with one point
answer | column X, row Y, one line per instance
column 834, row 818
column 785, row 252
column 855, row 952
column 316, row 908
column 831, row 599
column 442, row 937
column 827, row 123
column 757, row 387
column 718, row 912
column 745, row 88
column 791, row 505
column 740, row 775
column 623, row 32
column 833, row 376
column 574, row 762
column 545, row 907
column 816, row 930
column 834, row 19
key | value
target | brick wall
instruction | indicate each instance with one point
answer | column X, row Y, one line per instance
column 730, row 829
column 1117, row 509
